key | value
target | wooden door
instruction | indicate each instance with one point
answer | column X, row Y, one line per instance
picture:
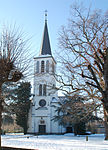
column 42, row 129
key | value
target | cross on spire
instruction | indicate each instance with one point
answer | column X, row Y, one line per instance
column 46, row 15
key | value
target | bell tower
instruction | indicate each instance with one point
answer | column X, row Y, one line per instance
column 44, row 81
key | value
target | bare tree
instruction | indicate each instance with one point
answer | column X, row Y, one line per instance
column 73, row 111
column 84, row 56
column 14, row 60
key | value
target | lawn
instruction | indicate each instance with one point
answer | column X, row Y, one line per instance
column 56, row 142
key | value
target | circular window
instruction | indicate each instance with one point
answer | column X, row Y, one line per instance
column 42, row 102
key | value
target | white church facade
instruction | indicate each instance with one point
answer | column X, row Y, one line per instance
column 45, row 97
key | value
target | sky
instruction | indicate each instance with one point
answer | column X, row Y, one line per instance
column 29, row 16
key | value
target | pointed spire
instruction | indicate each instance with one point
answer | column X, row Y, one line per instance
column 45, row 47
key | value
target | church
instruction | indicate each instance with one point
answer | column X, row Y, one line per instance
column 45, row 97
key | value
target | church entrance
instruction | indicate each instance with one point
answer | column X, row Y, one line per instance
column 69, row 130
column 42, row 129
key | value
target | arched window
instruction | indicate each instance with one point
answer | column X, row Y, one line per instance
column 40, row 90
column 42, row 66
column 44, row 90
column 37, row 67
column 53, row 68
column 47, row 66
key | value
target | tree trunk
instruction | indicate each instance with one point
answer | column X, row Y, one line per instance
column 0, row 123
column 1, row 108
column 106, row 124
column 25, row 130
column 105, row 96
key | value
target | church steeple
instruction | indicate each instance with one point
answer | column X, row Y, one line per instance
column 45, row 46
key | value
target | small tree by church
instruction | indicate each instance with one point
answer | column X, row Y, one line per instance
column 73, row 112
column 21, row 104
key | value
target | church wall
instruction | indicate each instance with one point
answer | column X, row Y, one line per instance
column 39, row 59
column 37, row 122
column 44, row 78
column 46, row 113
column 56, row 127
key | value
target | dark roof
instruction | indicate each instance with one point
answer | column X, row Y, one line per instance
column 45, row 47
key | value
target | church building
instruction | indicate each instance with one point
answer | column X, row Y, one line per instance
column 45, row 97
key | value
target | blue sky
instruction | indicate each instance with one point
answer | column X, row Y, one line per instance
column 29, row 16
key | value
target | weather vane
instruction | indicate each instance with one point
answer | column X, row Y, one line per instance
column 46, row 15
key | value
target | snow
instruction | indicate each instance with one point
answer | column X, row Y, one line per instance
column 56, row 142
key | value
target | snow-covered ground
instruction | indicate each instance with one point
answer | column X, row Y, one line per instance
column 56, row 142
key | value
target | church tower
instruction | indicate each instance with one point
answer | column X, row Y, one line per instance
column 45, row 97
